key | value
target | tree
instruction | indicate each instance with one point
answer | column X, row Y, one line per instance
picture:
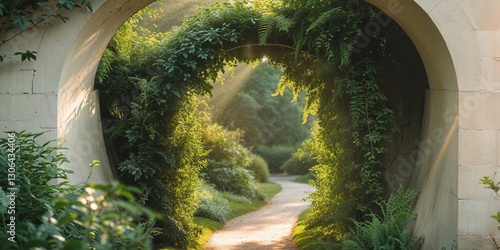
column 267, row 119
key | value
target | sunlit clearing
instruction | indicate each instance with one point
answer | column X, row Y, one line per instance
column 264, row 59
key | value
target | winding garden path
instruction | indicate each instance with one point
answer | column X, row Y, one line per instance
column 269, row 227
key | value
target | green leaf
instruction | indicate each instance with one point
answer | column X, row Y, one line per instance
column 75, row 245
column 67, row 219
column 89, row 7
column 20, row 23
column 28, row 55
column 4, row 201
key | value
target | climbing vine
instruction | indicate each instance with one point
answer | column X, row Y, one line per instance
column 354, row 120
column 313, row 43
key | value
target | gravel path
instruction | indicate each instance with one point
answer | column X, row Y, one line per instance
column 269, row 227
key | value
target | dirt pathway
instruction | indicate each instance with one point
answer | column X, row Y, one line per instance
column 269, row 227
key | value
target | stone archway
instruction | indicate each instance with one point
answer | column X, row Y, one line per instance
column 459, row 137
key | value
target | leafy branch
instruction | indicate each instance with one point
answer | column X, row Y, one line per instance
column 490, row 184
column 27, row 15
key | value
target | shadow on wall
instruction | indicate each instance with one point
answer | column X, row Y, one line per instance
column 79, row 119
column 82, row 135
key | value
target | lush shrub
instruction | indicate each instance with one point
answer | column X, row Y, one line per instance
column 275, row 156
column 35, row 166
column 226, row 179
column 298, row 166
column 212, row 204
column 337, row 192
column 165, row 165
column 259, row 168
column 52, row 215
column 228, row 160
column 224, row 146
column 235, row 180
column 389, row 231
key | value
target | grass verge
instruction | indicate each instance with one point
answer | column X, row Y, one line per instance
column 308, row 239
column 209, row 226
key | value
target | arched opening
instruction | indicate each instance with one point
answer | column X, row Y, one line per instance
column 435, row 163
column 76, row 95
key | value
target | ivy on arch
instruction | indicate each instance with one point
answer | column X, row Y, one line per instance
column 313, row 42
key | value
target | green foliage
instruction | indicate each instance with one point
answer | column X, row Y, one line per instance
column 236, row 198
column 265, row 119
column 490, row 184
column 389, row 232
column 108, row 213
column 212, row 204
column 153, row 125
column 225, row 147
column 21, row 16
column 170, row 15
column 343, row 90
column 305, row 178
column 307, row 240
column 259, row 168
column 57, row 215
column 128, row 43
column 181, row 178
column 228, row 161
column 270, row 22
column 275, row 156
column 297, row 166
column 235, row 180
column 338, row 193
column 36, row 166
column 313, row 43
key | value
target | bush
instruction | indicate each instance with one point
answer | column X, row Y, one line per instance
column 226, row 179
column 275, row 156
column 259, row 168
column 224, row 146
column 213, row 205
column 64, row 216
column 297, row 166
column 35, row 166
column 235, row 180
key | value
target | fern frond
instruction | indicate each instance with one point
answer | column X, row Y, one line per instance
column 323, row 18
column 270, row 23
column 265, row 29
column 283, row 23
